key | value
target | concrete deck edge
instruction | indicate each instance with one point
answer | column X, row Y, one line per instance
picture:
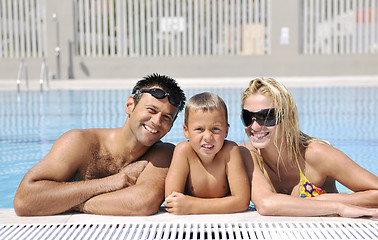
column 237, row 82
column 8, row 216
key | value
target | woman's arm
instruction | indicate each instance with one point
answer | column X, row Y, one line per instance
column 336, row 164
column 268, row 202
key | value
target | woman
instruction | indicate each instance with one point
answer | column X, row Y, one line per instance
column 293, row 174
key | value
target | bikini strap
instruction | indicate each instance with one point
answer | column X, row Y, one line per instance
column 296, row 159
column 262, row 160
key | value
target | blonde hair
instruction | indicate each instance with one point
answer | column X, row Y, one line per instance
column 205, row 101
column 286, row 114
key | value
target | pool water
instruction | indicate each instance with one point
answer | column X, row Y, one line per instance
column 30, row 122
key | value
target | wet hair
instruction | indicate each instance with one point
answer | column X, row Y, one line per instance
column 166, row 83
column 205, row 101
column 286, row 114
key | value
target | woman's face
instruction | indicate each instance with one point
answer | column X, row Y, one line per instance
column 260, row 136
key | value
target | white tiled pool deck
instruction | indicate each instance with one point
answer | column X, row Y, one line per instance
column 8, row 216
column 245, row 225
column 279, row 227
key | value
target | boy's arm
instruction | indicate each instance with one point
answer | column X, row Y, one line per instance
column 45, row 190
column 178, row 171
column 143, row 198
column 237, row 201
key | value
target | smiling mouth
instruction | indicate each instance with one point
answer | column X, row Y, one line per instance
column 260, row 135
column 151, row 130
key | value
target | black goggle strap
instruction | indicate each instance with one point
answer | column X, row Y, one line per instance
column 264, row 117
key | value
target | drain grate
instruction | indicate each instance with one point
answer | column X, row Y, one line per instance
column 368, row 230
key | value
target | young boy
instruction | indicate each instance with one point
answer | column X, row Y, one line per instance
column 207, row 174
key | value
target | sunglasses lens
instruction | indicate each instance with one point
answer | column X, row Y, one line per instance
column 265, row 117
column 246, row 118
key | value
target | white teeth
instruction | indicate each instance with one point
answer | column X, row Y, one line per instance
column 207, row 146
column 260, row 135
column 150, row 129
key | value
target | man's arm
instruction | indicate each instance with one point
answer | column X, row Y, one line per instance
column 45, row 190
column 143, row 198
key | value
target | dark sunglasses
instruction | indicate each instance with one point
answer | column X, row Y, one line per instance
column 160, row 94
column 264, row 117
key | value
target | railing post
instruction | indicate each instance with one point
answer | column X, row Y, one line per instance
column 60, row 37
column 22, row 68
column 44, row 78
column 19, row 75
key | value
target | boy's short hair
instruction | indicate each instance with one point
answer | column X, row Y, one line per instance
column 166, row 83
column 205, row 101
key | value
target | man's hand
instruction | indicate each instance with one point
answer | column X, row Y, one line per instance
column 130, row 173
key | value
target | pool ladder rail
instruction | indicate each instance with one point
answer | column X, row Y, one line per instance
column 43, row 80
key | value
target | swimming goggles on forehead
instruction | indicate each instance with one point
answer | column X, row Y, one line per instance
column 160, row 94
column 264, row 117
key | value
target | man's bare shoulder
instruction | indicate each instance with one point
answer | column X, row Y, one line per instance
column 160, row 152
column 79, row 134
column 77, row 142
column 163, row 146
column 90, row 135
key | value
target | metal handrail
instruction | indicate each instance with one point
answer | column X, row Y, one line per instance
column 44, row 74
column 19, row 75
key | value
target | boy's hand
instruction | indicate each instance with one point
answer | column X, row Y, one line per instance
column 178, row 204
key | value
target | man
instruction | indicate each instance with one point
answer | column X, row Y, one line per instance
column 118, row 171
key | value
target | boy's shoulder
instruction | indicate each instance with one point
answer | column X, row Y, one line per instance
column 228, row 147
column 229, row 144
column 183, row 146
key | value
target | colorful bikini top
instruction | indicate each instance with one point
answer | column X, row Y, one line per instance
column 307, row 188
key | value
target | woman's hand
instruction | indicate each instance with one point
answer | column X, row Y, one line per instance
column 351, row 211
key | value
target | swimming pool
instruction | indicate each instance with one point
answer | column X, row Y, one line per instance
column 30, row 122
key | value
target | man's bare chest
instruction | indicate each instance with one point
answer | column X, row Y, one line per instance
column 102, row 165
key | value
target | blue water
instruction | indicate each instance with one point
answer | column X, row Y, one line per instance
column 30, row 122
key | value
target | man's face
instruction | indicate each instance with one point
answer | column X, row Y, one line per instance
column 151, row 118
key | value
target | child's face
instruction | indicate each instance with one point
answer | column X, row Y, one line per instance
column 206, row 131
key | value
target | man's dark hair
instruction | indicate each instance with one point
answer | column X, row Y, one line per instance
column 166, row 83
